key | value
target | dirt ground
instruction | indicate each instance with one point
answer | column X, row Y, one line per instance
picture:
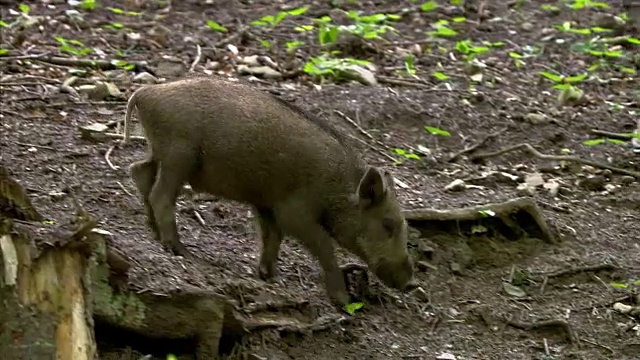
column 464, row 311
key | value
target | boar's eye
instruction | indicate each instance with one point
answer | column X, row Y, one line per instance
column 389, row 225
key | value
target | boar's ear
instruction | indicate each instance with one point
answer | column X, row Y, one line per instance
column 373, row 187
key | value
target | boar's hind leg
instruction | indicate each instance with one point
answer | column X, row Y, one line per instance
column 169, row 180
column 271, row 237
column 297, row 221
column 144, row 175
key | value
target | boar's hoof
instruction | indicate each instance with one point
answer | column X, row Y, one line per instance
column 266, row 273
column 411, row 285
column 179, row 249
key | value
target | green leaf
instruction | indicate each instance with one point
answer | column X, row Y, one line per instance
column 353, row 307
column 171, row 357
column 429, row 6
column 49, row 222
column 487, row 213
column 298, row 11
column 637, row 282
column 513, row 290
column 463, row 47
column 515, row 55
column 593, row 142
column 445, row 31
column 436, row 131
column 265, row 43
column 24, row 8
column 88, row 4
column 459, row 19
column 3, row 24
column 304, row 28
column 633, row 40
column 294, row 44
column 619, row 285
column 616, row 141
column 215, row 26
column 3, row 52
column 116, row 10
column 551, row 76
column 440, row 76
column 575, row 79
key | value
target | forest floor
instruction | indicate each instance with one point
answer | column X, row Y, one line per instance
column 430, row 100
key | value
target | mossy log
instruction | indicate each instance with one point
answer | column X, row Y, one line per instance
column 58, row 280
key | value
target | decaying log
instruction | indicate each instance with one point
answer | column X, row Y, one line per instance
column 521, row 216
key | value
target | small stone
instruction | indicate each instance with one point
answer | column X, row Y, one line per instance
column 525, row 189
column 527, row 26
column 251, row 60
column 610, row 188
column 360, row 74
column 536, row 119
column 534, row 179
column 456, row 269
column 446, row 356
column 456, row 185
column 145, row 78
column 263, row 71
column 592, row 183
column 627, row 180
column 553, row 188
column 170, row 68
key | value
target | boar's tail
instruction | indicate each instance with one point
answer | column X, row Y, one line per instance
column 127, row 117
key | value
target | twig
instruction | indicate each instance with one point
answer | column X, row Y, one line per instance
column 612, row 134
column 36, row 146
column 106, row 157
column 404, row 82
column 542, row 324
column 120, row 136
column 26, row 57
column 530, row 149
column 598, row 345
column 197, row 59
column 91, row 63
column 230, row 38
column 381, row 152
column 124, row 189
column 580, row 269
column 355, row 125
column 199, row 217
column 476, row 145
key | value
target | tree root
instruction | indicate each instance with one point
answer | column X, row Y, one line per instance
column 90, row 63
column 532, row 151
column 554, row 323
column 521, row 216
column 575, row 270
column 474, row 147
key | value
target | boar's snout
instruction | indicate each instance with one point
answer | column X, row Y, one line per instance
column 399, row 276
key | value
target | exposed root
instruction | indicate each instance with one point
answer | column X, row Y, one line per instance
column 554, row 323
column 573, row 271
column 106, row 158
column 291, row 325
column 612, row 135
column 474, row 147
column 521, row 216
column 197, row 59
column 90, row 63
column 367, row 135
column 531, row 150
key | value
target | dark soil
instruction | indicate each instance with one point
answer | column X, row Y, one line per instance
column 464, row 309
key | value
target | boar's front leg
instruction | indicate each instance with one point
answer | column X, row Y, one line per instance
column 144, row 176
column 297, row 221
column 169, row 180
column 271, row 237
